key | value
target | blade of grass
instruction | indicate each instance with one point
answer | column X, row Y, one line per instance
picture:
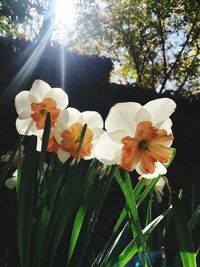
column 26, row 203
column 134, row 218
column 131, row 249
column 98, row 197
column 185, row 242
column 123, row 215
column 89, row 180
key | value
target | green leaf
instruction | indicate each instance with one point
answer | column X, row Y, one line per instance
column 185, row 242
column 147, row 190
column 105, row 254
column 26, row 200
column 88, row 180
column 45, row 141
column 134, row 218
column 131, row 249
column 94, row 207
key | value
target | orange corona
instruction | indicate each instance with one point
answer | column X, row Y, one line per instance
column 71, row 141
column 147, row 147
column 40, row 111
column 53, row 145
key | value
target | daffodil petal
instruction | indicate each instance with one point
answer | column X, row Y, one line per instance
column 167, row 126
column 23, row 125
column 160, row 109
column 63, row 155
column 22, row 102
column 159, row 170
column 39, row 89
column 121, row 117
column 107, row 151
column 93, row 119
column 117, row 136
column 142, row 115
column 59, row 96
column 97, row 133
column 73, row 115
column 24, row 115
column 35, row 130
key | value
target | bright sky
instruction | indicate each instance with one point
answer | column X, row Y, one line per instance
column 65, row 18
column 65, row 11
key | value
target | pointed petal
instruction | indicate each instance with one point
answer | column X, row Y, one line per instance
column 160, row 109
column 93, row 119
column 22, row 102
column 121, row 117
column 39, row 90
column 59, row 96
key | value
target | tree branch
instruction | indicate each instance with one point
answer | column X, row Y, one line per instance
column 176, row 61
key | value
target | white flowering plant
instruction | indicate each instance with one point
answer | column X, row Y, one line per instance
column 59, row 196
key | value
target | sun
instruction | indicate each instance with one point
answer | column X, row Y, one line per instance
column 65, row 11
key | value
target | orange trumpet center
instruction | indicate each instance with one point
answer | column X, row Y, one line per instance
column 40, row 111
column 147, row 147
column 52, row 145
column 71, row 141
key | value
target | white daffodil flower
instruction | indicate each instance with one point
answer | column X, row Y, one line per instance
column 32, row 107
column 138, row 137
column 11, row 183
column 67, row 134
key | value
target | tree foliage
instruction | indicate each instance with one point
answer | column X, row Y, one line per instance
column 15, row 13
column 154, row 42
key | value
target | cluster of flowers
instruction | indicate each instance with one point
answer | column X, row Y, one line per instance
column 135, row 137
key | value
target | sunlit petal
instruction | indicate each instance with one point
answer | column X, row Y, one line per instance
column 59, row 96
column 160, row 109
column 167, row 126
column 93, row 119
column 39, row 89
column 107, row 151
column 159, row 170
column 22, row 102
column 97, row 133
column 23, row 126
column 142, row 115
column 121, row 117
